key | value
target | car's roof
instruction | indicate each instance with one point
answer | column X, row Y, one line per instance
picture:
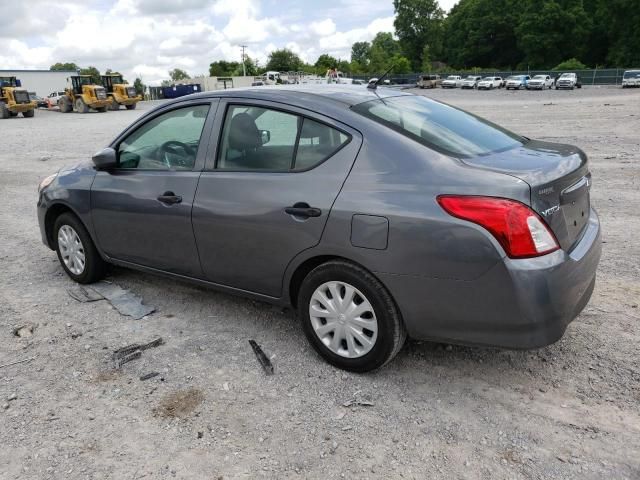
column 345, row 94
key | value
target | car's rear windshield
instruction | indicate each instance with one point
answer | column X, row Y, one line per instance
column 439, row 126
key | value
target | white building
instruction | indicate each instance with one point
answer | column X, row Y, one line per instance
column 42, row 82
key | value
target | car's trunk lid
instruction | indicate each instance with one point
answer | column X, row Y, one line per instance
column 559, row 179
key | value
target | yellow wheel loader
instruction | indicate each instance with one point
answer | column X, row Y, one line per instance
column 120, row 93
column 14, row 99
column 83, row 95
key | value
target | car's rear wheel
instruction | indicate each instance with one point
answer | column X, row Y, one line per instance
column 76, row 251
column 349, row 317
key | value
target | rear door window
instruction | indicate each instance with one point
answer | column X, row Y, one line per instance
column 262, row 139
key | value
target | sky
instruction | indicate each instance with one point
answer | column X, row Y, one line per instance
column 147, row 38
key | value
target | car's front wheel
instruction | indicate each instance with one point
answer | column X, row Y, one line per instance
column 76, row 251
column 349, row 317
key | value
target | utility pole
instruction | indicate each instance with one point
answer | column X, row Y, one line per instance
column 244, row 70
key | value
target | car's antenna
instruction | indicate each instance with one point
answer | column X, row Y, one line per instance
column 374, row 85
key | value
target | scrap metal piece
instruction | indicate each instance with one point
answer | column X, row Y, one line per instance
column 149, row 375
column 84, row 295
column 134, row 351
column 262, row 358
column 122, row 300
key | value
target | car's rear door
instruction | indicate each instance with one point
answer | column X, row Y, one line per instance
column 141, row 210
column 266, row 197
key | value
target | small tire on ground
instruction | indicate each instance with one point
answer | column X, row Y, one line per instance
column 131, row 107
column 95, row 266
column 391, row 330
column 29, row 113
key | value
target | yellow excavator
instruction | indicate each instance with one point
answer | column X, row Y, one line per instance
column 14, row 99
column 119, row 92
column 83, row 95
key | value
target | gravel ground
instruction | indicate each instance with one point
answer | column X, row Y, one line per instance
column 567, row 411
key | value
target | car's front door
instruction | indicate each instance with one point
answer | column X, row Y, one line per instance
column 142, row 209
column 277, row 173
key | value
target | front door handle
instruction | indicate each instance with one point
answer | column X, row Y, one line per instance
column 303, row 210
column 169, row 198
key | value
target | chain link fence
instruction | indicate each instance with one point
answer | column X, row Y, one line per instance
column 608, row 76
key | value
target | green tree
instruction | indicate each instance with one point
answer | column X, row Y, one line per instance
column 177, row 74
column 571, row 64
column 360, row 55
column 383, row 48
column 94, row 73
column 324, row 63
column 482, row 32
column 622, row 19
column 552, row 31
column 426, row 60
column 284, row 60
column 418, row 23
column 222, row 68
column 64, row 66
column 400, row 64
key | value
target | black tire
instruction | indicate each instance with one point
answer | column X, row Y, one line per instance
column 29, row 113
column 13, row 114
column 64, row 103
column 81, row 107
column 114, row 105
column 101, row 109
column 131, row 107
column 391, row 330
column 95, row 267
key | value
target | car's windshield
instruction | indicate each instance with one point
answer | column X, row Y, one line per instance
column 633, row 74
column 539, row 77
column 515, row 77
column 439, row 126
column 488, row 79
column 567, row 75
column 451, row 77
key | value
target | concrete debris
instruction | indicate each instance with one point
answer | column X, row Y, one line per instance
column 84, row 295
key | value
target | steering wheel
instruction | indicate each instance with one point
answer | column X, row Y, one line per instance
column 178, row 149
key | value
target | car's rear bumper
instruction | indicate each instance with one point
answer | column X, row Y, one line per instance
column 526, row 303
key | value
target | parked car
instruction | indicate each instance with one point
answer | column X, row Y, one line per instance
column 517, row 82
column 42, row 103
column 489, row 83
column 429, row 81
column 452, row 81
column 470, row 82
column 540, row 82
column 568, row 80
column 631, row 78
column 376, row 214
column 54, row 97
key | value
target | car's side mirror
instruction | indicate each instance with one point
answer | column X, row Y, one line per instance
column 265, row 136
column 105, row 159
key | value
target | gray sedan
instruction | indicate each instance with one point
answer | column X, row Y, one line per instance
column 376, row 214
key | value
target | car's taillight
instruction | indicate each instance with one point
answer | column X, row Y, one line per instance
column 520, row 230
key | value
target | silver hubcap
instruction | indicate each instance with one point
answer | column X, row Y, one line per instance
column 71, row 249
column 343, row 319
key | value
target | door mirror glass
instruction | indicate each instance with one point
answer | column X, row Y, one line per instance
column 266, row 136
column 105, row 159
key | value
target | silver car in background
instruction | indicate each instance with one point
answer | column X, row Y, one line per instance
column 631, row 78
column 489, row 83
column 374, row 213
column 540, row 82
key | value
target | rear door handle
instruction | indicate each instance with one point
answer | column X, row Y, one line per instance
column 303, row 210
column 169, row 198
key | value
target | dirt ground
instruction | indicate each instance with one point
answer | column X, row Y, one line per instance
column 568, row 411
